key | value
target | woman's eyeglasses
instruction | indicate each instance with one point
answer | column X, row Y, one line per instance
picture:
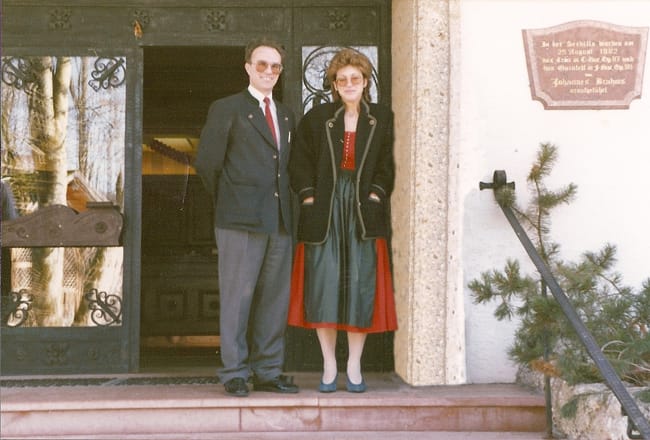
column 354, row 80
column 261, row 67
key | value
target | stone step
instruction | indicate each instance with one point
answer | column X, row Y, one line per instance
column 204, row 411
column 331, row 435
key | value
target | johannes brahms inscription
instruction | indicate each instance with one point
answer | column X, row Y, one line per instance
column 586, row 64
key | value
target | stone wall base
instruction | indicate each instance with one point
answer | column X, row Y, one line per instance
column 597, row 411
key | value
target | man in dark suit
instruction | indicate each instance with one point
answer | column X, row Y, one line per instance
column 242, row 161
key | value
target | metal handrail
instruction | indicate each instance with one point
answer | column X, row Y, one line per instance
column 635, row 416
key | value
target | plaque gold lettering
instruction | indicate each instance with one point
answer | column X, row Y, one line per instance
column 586, row 64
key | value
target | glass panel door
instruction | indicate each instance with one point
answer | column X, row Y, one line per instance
column 63, row 146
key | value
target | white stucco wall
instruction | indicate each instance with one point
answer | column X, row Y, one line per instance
column 496, row 125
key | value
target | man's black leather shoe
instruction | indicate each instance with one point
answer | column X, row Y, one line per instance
column 236, row 387
column 280, row 384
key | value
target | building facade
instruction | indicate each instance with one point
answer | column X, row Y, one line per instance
column 455, row 74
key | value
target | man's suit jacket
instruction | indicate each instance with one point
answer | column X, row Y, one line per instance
column 241, row 166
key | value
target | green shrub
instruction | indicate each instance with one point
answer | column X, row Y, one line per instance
column 617, row 316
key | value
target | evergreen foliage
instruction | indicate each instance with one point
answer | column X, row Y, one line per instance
column 617, row 316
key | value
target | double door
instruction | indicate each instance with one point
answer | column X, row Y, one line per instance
column 140, row 76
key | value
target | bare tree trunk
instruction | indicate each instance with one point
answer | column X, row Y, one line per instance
column 7, row 134
column 48, row 123
column 81, row 103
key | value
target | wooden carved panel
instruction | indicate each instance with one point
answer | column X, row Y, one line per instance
column 61, row 226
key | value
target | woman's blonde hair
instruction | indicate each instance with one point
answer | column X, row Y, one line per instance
column 349, row 57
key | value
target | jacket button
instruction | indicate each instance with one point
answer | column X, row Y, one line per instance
column 276, row 194
column 275, row 156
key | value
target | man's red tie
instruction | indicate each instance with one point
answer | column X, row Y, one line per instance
column 269, row 118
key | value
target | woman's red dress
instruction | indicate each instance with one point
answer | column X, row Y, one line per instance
column 384, row 317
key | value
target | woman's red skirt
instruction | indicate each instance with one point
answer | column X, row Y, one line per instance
column 384, row 316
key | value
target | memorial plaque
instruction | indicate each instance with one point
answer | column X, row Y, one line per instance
column 586, row 64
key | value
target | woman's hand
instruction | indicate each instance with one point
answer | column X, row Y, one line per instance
column 374, row 197
column 308, row 201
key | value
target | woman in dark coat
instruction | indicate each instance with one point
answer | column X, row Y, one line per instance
column 342, row 169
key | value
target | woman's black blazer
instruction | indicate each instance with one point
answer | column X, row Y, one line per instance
column 314, row 165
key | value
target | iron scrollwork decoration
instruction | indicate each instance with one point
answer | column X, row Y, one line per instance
column 16, row 307
column 316, row 87
column 60, row 19
column 339, row 20
column 215, row 20
column 18, row 72
column 143, row 17
column 109, row 72
column 57, row 353
column 105, row 309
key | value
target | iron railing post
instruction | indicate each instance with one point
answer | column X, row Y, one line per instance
column 630, row 407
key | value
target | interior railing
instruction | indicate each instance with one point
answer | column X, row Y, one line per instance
column 638, row 426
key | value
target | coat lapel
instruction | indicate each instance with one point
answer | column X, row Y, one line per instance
column 365, row 131
column 285, row 130
column 335, row 127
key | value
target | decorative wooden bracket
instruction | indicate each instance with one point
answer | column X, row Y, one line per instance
column 61, row 226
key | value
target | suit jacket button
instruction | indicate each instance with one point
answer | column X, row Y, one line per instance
column 276, row 194
column 275, row 156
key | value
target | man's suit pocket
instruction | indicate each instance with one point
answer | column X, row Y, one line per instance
column 240, row 205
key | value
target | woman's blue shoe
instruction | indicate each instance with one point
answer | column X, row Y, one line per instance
column 356, row 387
column 328, row 387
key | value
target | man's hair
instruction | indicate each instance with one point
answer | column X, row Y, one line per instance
column 264, row 41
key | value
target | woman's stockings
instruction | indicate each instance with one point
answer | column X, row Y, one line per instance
column 356, row 342
column 327, row 339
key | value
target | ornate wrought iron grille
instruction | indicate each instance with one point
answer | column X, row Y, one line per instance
column 109, row 72
column 315, row 86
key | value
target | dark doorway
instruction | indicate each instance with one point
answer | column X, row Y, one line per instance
column 179, row 293
column 179, row 285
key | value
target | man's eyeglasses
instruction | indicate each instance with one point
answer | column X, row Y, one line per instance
column 354, row 80
column 261, row 67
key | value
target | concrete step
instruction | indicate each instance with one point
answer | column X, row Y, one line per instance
column 332, row 435
column 190, row 411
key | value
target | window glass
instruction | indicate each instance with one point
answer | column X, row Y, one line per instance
column 63, row 143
